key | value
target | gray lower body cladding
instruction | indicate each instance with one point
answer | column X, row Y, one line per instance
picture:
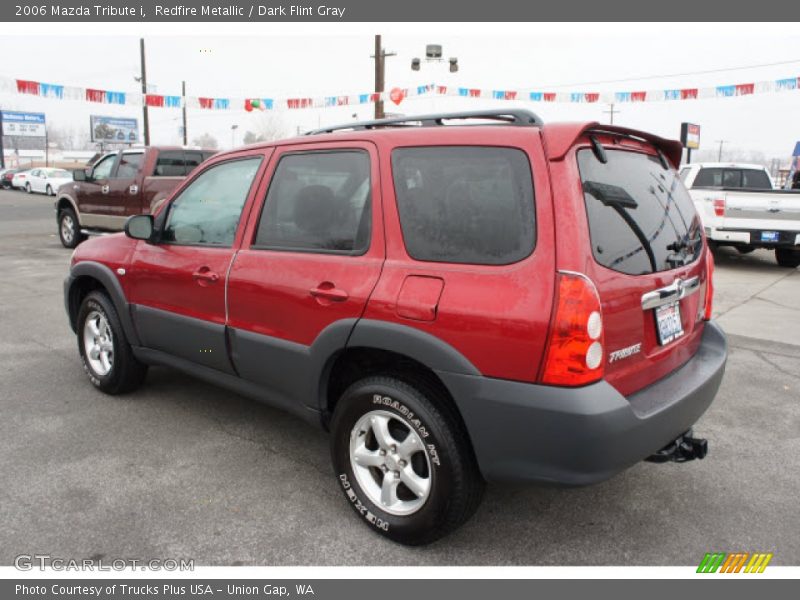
column 575, row 436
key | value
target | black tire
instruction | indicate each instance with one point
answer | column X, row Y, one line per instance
column 126, row 372
column 745, row 249
column 28, row 189
column 787, row 257
column 456, row 486
column 49, row 190
column 65, row 217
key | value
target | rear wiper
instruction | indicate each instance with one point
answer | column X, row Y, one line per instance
column 620, row 200
column 679, row 247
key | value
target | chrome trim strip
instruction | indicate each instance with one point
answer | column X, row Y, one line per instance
column 677, row 290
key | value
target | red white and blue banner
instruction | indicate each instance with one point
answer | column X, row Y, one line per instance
column 395, row 95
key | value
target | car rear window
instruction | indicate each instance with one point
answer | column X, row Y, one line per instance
column 754, row 179
column 641, row 218
column 465, row 204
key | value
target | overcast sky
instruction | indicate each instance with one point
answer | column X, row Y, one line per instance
column 315, row 65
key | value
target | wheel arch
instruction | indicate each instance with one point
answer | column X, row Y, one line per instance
column 88, row 276
column 67, row 202
column 378, row 347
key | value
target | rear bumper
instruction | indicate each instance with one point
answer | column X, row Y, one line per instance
column 752, row 237
column 577, row 436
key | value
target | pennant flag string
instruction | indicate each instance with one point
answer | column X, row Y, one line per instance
column 395, row 95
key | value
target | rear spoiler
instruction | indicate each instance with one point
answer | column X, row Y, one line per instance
column 560, row 137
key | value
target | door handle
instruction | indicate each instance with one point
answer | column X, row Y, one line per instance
column 326, row 291
column 104, row 189
column 204, row 276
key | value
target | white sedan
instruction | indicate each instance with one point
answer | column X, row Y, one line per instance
column 45, row 181
column 19, row 179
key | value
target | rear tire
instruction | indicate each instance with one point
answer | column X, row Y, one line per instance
column 68, row 228
column 402, row 435
column 745, row 249
column 787, row 257
column 105, row 352
column 28, row 188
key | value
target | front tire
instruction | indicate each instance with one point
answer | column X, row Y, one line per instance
column 403, row 459
column 68, row 228
column 49, row 190
column 104, row 350
column 787, row 257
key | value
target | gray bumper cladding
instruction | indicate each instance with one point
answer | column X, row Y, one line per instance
column 578, row 436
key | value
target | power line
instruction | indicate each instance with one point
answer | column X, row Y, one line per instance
column 665, row 76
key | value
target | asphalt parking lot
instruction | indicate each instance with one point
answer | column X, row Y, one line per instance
column 183, row 469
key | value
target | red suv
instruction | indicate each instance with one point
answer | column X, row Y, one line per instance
column 457, row 298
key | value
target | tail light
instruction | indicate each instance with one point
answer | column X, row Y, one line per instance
column 709, row 302
column 575, row 354
column 719, row 207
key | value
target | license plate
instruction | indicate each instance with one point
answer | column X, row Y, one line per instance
column 668, row 323
column 770, row 236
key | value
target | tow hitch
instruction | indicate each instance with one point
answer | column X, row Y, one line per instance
column 683, row 448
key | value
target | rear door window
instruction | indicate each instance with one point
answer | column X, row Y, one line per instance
column 318, row 202
column 641, row 218
column 465, row 204
column 170, row 163
column 179, row 163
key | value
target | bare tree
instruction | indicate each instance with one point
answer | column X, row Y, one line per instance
column 731, row 155
column 251, row 138
column 206, row 141
column 69, row 138
column 269, row 127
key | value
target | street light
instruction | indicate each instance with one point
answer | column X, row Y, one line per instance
column 233, row 135
column 433, row 54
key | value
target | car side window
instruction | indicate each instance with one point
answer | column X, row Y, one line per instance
column 208, row 210
column 170, row 163
column 102, row 170
column 129, row 165
column 318, row 202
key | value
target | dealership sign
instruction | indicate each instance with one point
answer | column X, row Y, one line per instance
column 23, row 124
column 690, row 135
column 118, row 130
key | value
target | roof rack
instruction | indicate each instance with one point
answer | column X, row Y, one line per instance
column 516, row 117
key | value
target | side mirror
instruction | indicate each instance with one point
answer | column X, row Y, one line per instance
column 140, row 227
column 79, row 175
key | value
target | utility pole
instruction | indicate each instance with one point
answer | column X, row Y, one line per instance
column 380, row 74
column 2, row 144
column 611, row 112
column 183, row 104
column 144, row 94
column 719, row 155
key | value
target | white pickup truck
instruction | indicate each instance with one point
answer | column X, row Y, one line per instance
column 739, row 207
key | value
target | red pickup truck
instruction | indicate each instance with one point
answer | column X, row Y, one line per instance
column 121, row 184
